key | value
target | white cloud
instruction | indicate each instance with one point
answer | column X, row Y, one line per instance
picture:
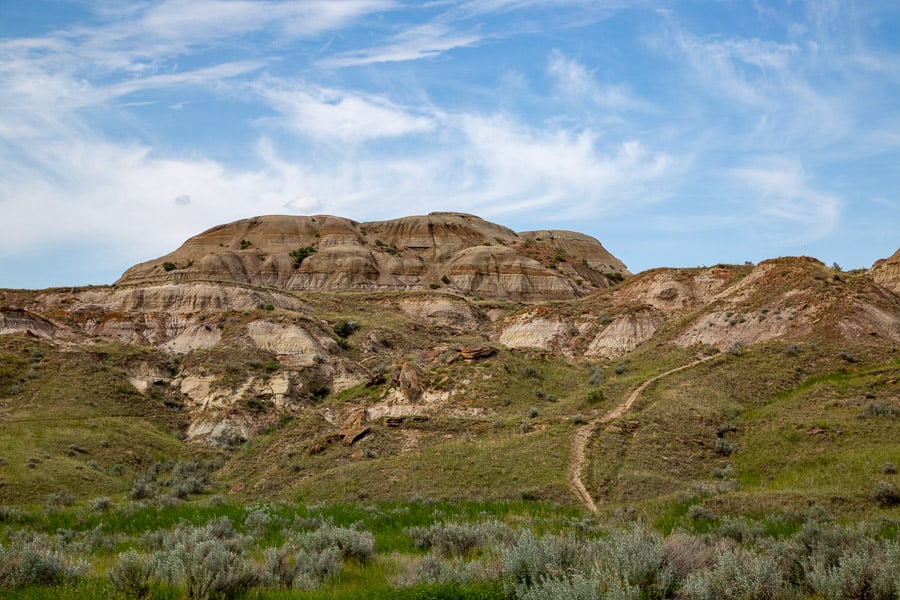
column 513, row 163
column 741, row 69
column 333, row 115
column 196, row 22
column 576, row 84
column 476, row 7
column 416, row 43
column 788, row 208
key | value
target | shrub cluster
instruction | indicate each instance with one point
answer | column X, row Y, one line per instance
column 173, row 480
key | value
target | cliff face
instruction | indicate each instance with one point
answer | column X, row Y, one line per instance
column 457, row 252
column 886, row 272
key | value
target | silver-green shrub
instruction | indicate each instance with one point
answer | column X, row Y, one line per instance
column 738, row 574
column 205, row 560
column 132, row 575
column 529, row 560
column 35, row 562
column 298, row 568
column 458, row 539
column 350, row 542
column 432, row 570
column 570, row 588
column 633, row 555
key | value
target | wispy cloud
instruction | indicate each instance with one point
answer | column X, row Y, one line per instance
column 416, row 43
column 512, row 163
column 185, row 23
column 575, row 83
column 743, row 70
column 339, row 116
column 786, row 203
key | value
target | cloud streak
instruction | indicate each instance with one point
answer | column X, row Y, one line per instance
column 789, row 209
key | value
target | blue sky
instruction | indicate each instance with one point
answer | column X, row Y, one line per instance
column 678, row 133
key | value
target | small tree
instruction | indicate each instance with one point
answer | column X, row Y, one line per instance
column 301, row 254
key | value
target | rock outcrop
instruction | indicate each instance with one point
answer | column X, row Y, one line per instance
column 886, row 272
column 455, row 252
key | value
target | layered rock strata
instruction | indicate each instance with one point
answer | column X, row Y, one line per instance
column 450, row 251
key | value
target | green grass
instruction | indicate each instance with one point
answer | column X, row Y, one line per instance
column 802, row 434
column 394, row 550
column 75, row 424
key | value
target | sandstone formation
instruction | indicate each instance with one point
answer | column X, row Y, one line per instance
column 18, row 320
column 886, row 272
column 530, row 331
column 625, row 334
column 452, row 251
column 236, row 346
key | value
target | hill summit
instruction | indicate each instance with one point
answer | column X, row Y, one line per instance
column 455, row 251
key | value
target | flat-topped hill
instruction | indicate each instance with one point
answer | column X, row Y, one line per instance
column 457, row 252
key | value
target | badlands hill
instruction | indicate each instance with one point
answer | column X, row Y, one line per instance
column 324, row 253
column 421, row 357
column 886, row 272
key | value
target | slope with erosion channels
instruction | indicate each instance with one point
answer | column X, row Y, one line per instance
column 459, row 252
column 401, row 392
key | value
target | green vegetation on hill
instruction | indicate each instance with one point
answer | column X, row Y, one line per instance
column 71, row 422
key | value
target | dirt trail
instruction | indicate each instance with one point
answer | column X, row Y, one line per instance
column 583, row 435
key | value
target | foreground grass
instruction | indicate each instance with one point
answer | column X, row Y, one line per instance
column 431, row 550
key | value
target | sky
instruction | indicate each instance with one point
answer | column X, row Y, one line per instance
column 679, row 133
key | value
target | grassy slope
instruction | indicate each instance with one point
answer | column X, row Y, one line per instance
column 801, row 434
column 478, row 452
column 662, row 453
column 72, row 423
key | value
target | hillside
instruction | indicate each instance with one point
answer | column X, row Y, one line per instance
column 398, row 389
column 459, row 252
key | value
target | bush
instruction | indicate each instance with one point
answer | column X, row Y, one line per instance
column 168, row 266
column 350, row 542
column 852, row 577
column 885, row 494
column 726, row 472
column 58, row 500
column 846, row 357
column 457, row 539
column 738, row 574
column 205, row 560
column 574, row 588
column 132, row 575
column 597, row 377
column 343, row 329
column 101, row 504
column 880, row 410
column 260, row 519
column 631, row 560
column 684, row 554
column 725, row 447
column 296, row 568
column 595, row 396
column 34, row 562
column 301, row 254
column 432, row 570
column 11, row 514
column 528, row 560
